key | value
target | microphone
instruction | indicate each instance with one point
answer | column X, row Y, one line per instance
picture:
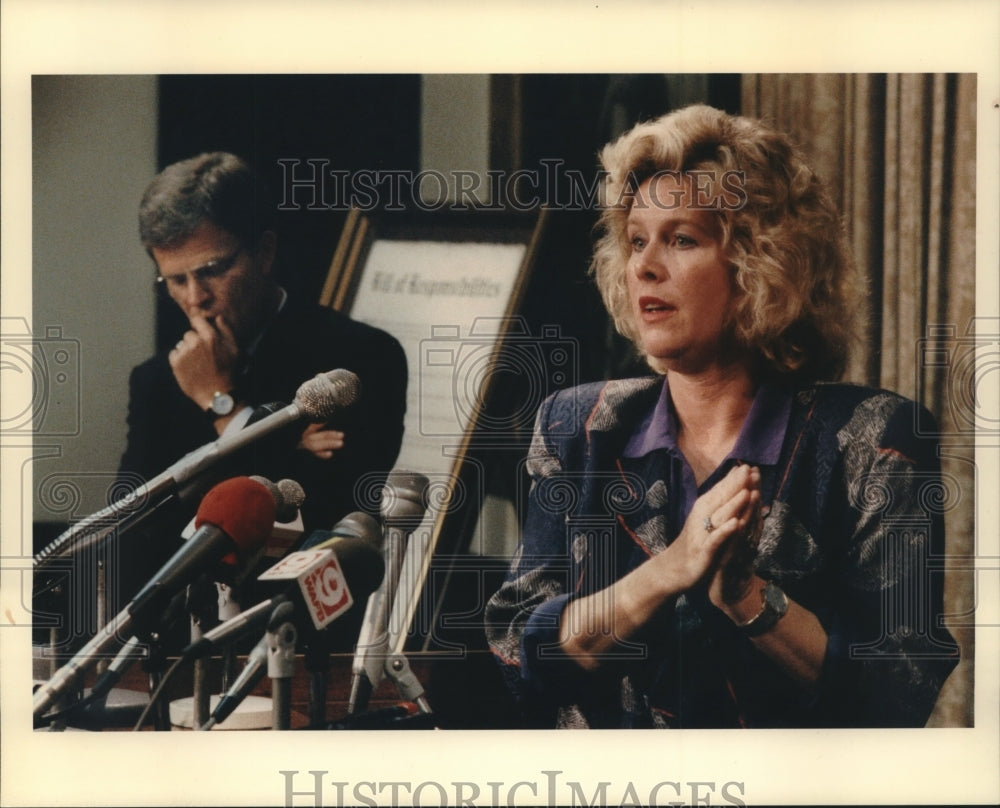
column 288, row 528
column 292, row 496
column 263, row 410
column 402, row 510
column 253, row 671
column 316, row 581
column 319, row 400
column 236, row 513
column 319, row 645
column 288, row 497
column 356, row 525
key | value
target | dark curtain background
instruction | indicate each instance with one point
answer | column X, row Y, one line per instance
column 899, row 152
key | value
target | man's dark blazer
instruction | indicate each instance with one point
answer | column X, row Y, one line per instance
column 301, row 341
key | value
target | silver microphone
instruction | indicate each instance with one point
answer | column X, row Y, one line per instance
column 318, row 400
column 402, row 509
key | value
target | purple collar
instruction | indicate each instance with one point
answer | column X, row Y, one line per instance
column 759, row 441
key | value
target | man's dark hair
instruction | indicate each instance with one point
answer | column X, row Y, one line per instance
column 217, row 187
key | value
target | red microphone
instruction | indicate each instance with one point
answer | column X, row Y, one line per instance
column 235, row 516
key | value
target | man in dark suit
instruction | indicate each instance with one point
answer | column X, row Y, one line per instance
column 206, row 224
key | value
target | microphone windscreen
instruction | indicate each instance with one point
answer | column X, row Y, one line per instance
column 272, row 489
column 288, row 497
column 360, row 525
column 324, row 395
column 242, row 508
column 292, row 496
column 404, row 497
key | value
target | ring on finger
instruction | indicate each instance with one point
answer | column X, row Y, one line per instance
column 707, row 524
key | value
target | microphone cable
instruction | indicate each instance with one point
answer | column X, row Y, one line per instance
column 157, row 693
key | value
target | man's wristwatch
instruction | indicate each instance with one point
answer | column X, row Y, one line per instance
column 774, row 604
column 222, row 404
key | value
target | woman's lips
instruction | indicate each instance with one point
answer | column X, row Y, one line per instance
column 654, row 308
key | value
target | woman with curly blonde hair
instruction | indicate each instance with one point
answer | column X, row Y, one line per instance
column 720, row 544
column 781, row 234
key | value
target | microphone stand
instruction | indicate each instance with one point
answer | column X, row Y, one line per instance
column 203, row 608
column 402, row 511
column 60, row 724
column 155, row 665
column 92, row 534
column 228, row 608
column 397, row 668
column 100, row 613
column 281, row 668
column 370, row 656
column 317, row 662
column 101, row 589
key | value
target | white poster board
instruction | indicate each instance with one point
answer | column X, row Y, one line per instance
column 449, row 292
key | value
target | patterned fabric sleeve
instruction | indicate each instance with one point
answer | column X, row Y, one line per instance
column 523, row 616
column 888, row 654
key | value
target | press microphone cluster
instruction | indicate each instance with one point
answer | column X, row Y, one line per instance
column 324, row 578
column 317, row 400
column 234, row 516
column 319, row 585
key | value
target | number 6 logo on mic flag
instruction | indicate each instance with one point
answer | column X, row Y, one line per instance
column 325, row 591
column 321, row 581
